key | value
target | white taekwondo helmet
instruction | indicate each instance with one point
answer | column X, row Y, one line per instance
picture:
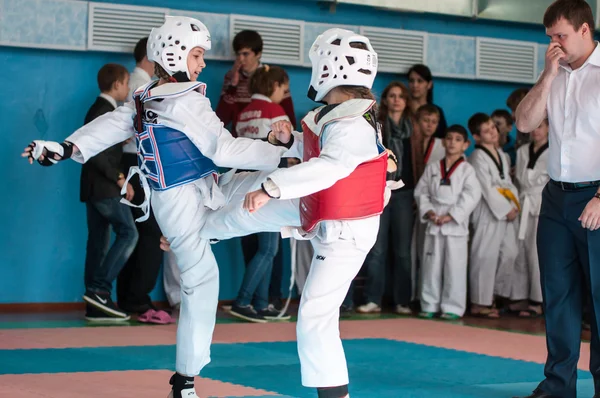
column 337, row 62
column 170, row 44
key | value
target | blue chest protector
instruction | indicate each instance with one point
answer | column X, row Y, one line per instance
column 166, row 156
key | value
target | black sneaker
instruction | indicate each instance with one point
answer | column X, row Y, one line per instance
column 246, row 313
column 104, row 303
column 346, row 311
column 183, row 387
column 278, row 304
column 92, row 314
column 272, row 314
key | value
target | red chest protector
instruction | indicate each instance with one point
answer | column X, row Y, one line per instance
column 360, row 195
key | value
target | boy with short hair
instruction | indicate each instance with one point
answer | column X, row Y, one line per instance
column 102, row 179
column 428, row 119
column 504, row 122
column 532, row 176
column 446, row 195
column 235, row 95
column 494, row 243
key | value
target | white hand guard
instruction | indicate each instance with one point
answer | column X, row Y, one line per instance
column 53, row 151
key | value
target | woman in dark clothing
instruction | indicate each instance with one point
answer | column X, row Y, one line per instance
column 420, row 84
column 395, row 228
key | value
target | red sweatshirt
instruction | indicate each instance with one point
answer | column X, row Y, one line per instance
column 256, row 119
column 235, row 98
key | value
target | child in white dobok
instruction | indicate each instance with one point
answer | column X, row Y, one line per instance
column 446, row 195
column 494, row 243
column 532, row 176
column 334, row 198
column 428, row 119
column 180, row 143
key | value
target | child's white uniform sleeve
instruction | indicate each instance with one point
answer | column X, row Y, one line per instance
column 344, row 145
column 297, row 148
column 201, row 124
column 469, row 197
column 497, row 203
column 103, row 132
column 422, row 194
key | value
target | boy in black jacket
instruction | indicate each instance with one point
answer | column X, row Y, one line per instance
column 101, row 181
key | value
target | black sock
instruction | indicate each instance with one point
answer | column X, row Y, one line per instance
column 333, row 392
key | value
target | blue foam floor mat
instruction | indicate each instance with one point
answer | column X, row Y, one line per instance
column 378, row 368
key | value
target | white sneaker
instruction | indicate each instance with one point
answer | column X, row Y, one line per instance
column 368, row 308
column 403, row 310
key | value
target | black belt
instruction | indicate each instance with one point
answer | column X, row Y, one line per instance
column 575, row 186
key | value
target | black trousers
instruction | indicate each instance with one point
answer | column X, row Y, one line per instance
column 138, row 277
column 569, row 270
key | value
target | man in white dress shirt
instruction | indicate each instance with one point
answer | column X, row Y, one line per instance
column 144, row 68
column 568, row 94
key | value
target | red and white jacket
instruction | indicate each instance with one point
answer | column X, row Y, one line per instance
column 234, row 99
column 256, row 119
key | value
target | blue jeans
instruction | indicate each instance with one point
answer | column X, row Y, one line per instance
column 255, row 286
column 101, row 264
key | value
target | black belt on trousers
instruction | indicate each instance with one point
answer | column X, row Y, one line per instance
column 575, row 186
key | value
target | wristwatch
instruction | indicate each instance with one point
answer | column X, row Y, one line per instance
column 121, row 176
column 597, row 195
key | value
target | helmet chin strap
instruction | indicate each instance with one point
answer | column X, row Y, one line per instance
column 179, row 77
column 312, row 94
